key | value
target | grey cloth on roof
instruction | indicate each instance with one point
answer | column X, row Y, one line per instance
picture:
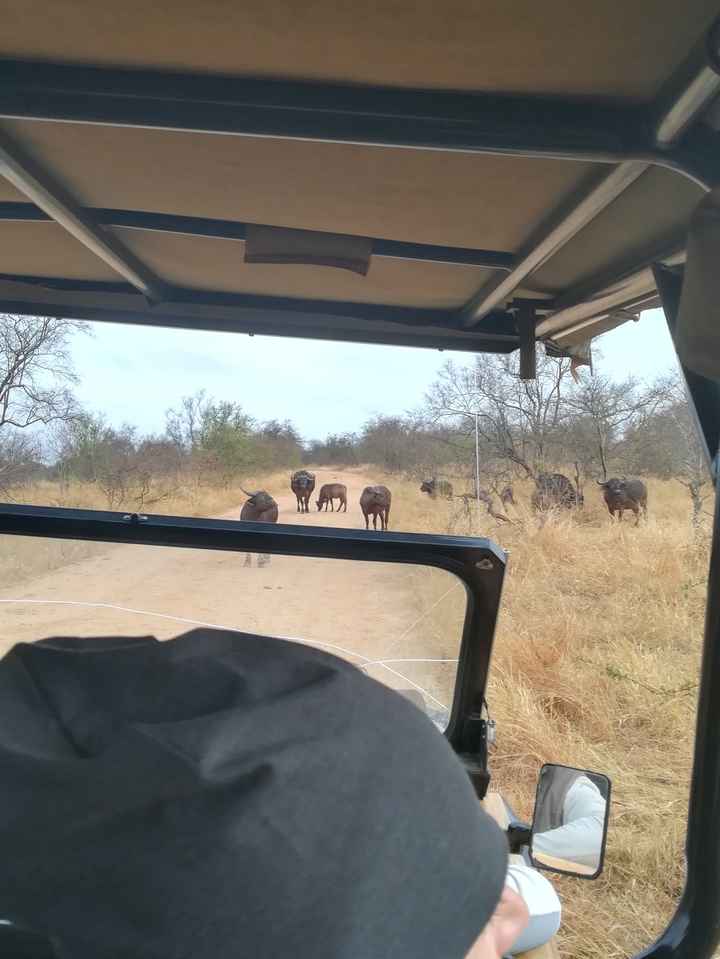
column 225, row 794
column 270, row 244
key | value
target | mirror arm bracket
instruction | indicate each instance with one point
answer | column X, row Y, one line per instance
column 519, row 834
column 478, row 773
column 473, row 751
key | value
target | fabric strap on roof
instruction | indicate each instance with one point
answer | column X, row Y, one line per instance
column 271, row 244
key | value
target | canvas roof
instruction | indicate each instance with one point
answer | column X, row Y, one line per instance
column 498, row 156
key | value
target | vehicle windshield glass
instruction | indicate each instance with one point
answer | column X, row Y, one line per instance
column 401, row 624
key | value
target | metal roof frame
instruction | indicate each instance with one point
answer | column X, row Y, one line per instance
column 235, row 230
column 629, row 138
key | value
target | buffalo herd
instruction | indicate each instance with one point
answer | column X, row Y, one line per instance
column 260, row 507
column 552, row 491
column 556, row 491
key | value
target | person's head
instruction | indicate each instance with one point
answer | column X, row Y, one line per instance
column 227, row 789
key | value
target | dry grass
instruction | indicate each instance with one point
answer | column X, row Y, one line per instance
column 595, row 665
column 29, row 558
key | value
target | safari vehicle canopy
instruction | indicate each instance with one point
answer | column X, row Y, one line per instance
column 473, row 176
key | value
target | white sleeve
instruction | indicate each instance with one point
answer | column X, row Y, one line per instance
column 580, row 839
column 542, row 902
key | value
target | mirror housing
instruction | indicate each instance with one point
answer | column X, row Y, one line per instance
column 569, row 827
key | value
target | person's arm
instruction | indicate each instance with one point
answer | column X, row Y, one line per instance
column 580, row 839
column 542, row 902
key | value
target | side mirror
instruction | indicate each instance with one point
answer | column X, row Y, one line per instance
column 569, row 828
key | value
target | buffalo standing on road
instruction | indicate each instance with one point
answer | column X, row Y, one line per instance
column 330, row 492
column 622, row 494
column 259, row 508
column 437, row 488
column 302, row 483
column 553, row 490
column 375, row 501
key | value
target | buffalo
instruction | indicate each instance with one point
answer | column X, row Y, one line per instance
column 259, row 508
column 437, row 488
column 302, row 483
column 555, row 490
column 622, row 494
column 330, row 492
column 375, row 501
column 507, row 497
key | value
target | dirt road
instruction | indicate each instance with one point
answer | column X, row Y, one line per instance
column 363, row 611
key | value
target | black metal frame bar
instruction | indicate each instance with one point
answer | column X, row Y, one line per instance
column 506, row 125
column 685, row 97
column 703, row 394
column 477, row 563
column 235, row 230
column 626, row 286
column 252, row 314
column 525, row 319
column 585, row 207
column 39, row 186
column 631, row 137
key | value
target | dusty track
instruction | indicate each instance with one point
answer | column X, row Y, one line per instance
column 361, row 607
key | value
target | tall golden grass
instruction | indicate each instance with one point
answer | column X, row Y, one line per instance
column 596, row 665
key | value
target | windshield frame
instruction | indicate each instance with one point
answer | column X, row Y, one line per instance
column 477, row 562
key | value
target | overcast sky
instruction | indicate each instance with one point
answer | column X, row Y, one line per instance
column 134, row 374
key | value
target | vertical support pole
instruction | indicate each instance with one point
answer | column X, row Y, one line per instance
column 477, row 459
column 525, row 319
column 703, row 394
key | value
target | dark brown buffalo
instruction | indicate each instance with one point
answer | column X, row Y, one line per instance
column 330, row 492
column 622, row 494
column 259, row 508
column 507, row 497
column 302, row 483
column 554, row 490
column 375, row 501
column 437, row 488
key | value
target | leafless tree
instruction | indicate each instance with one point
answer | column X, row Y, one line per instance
column 36, row 370
column 518, row 420
column 604, row 411
column 691, row 467
column 20, row 459
column 184, row 424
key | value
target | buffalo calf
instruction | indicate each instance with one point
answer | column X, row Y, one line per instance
column 330, row 492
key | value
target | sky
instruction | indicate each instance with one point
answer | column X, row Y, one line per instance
column 134, row 374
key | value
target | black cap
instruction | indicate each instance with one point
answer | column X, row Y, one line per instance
column 226, row 794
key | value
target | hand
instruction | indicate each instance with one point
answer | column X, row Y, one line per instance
column 504, row 926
